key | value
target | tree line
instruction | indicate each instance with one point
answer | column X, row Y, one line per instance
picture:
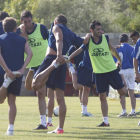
column 115, row 15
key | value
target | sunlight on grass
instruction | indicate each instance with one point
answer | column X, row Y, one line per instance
column 76, row 127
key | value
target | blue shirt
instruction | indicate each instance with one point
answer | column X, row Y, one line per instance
column 78, row 58
column 12, row 50
column 69, row 38
column 43, row 28
column 137, row 53
column 1, row 29
column 126, row 53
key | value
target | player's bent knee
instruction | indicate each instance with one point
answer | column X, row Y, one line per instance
column 28, row 87
column 2, row 101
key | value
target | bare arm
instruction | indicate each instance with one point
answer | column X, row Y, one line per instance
column 59, row 43
column 137, row 75
column 115, row 53
column 28, row 58
column 23, row 32
column 86, row 38
column 6, row 69
column 78, row 51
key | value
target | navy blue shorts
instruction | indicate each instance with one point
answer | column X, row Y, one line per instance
column 15, row 87
column 112, row 78
column 57, row 77
column 85, row 76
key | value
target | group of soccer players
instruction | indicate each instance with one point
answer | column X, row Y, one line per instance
column 48, row 66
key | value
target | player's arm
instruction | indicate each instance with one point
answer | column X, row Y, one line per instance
column 86, row 38
column 23, row 32
column 75, row 53
column 59, row 43
column 114, row 52
column 29, row 53
column 4, row 66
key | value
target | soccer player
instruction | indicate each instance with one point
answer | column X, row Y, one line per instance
column 12, row 51
column 85, row 78
column 3, row 15
column 103, row 65
column 126, row 53
column 60, row 40
column 38, row 40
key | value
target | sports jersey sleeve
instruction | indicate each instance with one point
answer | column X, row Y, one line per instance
column 84, row 47
column 44, row 32
column 78, row 41
column 71, row 50
column 137, row 50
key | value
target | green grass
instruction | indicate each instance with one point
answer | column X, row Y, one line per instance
column 76, row 127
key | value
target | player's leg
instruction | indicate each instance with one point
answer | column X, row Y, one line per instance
column 80, row 97
column 131, row 87
column 14, row 90
column 42, row 77
column 62, row 106
column 101, row 87
column 76, row 85
column 50, row 106
column 12, row 113
column 4, row 83
column 29, row 78
column 41, row 93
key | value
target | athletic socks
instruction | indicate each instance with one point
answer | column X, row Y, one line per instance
column 56, row 64
column 71, row 68
column 7, row 82
column 43, row 120
column 10, row 127
column 49, row 120
column 123, row 110
column 81, row 104
column 105, row 120
column 84, row 109
column 132, row 111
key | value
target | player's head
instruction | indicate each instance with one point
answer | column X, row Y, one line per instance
column 9, row 24
column 123, row 38
column 26, row 19
column 60, row 19
column 3, row 15
column 134, row 35
column 95, row 28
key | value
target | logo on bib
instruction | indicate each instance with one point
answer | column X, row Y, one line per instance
column 99, row 52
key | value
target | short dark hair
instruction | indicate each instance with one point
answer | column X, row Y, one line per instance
column 9, row 24
column 25, row 14
column 123, row 38
column 61, row 19
column 94, row 23
column 134, row 33
column 3, row 15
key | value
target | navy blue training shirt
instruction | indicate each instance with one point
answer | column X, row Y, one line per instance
column 1, row 29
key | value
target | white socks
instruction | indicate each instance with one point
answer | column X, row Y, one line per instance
column 43, row 120
column 84, row 109
column 132, row 111
column 49, row 120
column 105, row 120
column 7, row 82
column 10, row 127
column 123, row 110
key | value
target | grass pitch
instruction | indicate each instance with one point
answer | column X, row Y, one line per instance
column 76, row 127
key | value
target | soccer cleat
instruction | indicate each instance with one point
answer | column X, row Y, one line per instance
column 57, row 131
column 49, row 124
column 138, row 113
column 10, row 133
column 131, row 114
column 139, row 123
column 87, row 114
column 122, row 115
column 40, row 126
column 103, row 125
